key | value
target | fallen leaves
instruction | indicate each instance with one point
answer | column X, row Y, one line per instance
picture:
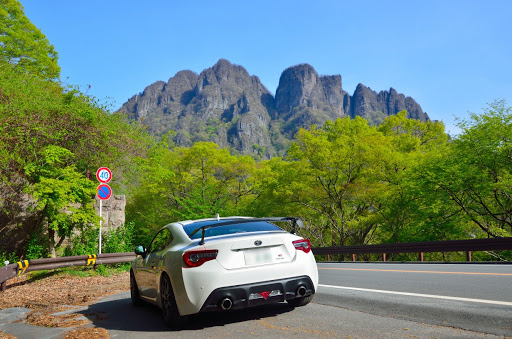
column 6, row 336
column 87, row 333
column 51, row 320
column 55, row 290
column 56, row 293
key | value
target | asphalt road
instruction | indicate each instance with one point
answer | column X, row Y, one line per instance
column 377, row 308
column 468, row 296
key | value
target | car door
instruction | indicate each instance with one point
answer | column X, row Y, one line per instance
column 154, row 261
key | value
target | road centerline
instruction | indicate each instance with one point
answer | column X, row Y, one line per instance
column 410, row 271
column 433, row 296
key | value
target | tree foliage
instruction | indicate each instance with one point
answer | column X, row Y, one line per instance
column 48, row 133
column 474, row 176
column 333, row 174
column 62, row 194
column 189, row 183
column 23, row 45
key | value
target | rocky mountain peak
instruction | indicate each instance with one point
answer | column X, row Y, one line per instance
column 304, row 98
column 225, row 70
column 375, row 107
column 227, row 105
column 295, row 86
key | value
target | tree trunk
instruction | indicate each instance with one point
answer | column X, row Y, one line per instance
column 51, row 243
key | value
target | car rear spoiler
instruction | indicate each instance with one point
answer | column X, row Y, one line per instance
column 295, row 222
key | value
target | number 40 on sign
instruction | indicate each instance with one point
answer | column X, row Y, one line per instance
column 103, row 174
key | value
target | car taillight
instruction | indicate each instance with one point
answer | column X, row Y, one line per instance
column 197, row 258
column 303, row 245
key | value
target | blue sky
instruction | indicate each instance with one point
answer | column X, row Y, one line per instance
column 451, row 56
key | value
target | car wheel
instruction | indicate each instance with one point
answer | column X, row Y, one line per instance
column 300, row 301
column 169, row 308
column 134, row 290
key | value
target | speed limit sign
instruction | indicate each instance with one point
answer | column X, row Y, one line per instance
column 103, row 174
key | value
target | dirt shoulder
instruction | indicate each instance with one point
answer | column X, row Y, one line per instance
column 56, row 292
column 61, row 289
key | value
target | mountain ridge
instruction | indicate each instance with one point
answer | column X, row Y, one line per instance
column 227, row 105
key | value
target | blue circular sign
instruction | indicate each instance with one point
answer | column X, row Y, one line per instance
column 104, row 191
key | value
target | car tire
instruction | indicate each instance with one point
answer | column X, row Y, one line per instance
column 170, row 311
column 134, row 290
column 302, row 301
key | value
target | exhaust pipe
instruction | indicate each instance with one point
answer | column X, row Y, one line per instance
column 301, row 291
column 226, row 304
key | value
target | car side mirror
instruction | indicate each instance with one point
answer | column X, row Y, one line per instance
column 140, row 250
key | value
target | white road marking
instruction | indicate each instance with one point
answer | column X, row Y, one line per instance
column 482, row 301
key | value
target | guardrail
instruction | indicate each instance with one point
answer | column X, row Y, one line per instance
column 468, row 246
column 17, row 269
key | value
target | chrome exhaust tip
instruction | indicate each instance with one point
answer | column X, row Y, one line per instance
column 226, row 304
column 301, row 291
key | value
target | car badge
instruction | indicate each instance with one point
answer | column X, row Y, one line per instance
column 257, row 242
column 264, row 294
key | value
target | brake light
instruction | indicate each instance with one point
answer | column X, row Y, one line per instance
column 197, row 258
column 303, row 245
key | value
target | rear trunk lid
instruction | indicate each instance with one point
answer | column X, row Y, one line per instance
column 253, row 250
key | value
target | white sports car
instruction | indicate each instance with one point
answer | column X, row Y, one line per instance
column 221, row 264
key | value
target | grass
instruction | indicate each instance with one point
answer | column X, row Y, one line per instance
column 82, row 271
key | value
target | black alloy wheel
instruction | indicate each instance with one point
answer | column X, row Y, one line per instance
column 169, row 308
column 134, row 291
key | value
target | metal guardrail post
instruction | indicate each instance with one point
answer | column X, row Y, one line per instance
column 468, row 255
column 421, row 256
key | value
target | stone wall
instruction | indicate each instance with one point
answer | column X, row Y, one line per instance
column 112, row 211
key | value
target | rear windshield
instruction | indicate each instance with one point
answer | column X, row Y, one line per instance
column 257, row 226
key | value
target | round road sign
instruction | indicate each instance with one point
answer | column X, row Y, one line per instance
column 104, row 191
column 103, row 174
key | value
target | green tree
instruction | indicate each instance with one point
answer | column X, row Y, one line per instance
column 189, row 183
column 23, row 45
column 332, row 174
column 36, row 114
column 475, row 176
column 62, row 194
column 411, row 212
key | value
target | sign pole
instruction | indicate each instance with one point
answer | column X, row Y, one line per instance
column 104, row 175
column 101, row 200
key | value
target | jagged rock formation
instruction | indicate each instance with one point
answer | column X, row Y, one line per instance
column 376, row 107
column 226, row 105
column 223, row 104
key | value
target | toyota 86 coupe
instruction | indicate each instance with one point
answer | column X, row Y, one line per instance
column 223, row 264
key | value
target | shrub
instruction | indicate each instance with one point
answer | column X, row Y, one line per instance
column 119, row 240
column 36, row 248
column 84, row 243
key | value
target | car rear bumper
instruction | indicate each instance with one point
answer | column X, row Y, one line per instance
column 259, row 293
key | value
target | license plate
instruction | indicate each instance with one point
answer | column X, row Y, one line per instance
column 257, row 256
